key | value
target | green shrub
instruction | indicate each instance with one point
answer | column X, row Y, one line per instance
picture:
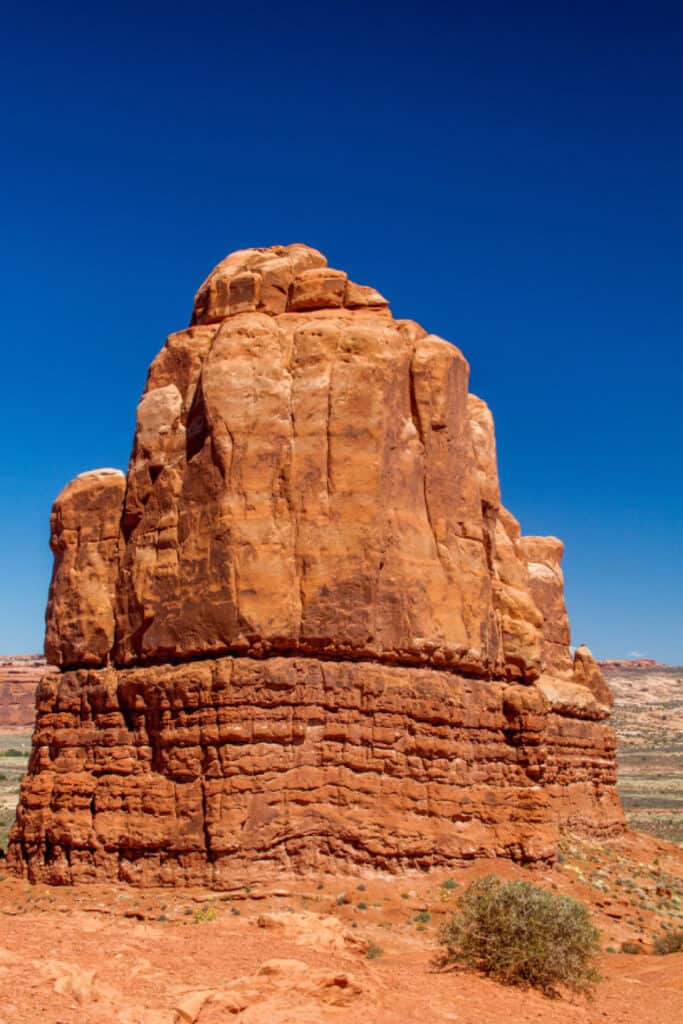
column 671, row 943
column 205, row 913
column 449, row 883
column 374, row 951
column 520, row 934
column 631, row 947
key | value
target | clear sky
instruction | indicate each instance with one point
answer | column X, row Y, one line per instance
column 509, row 175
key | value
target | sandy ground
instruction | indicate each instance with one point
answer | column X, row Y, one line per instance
column 296, row 949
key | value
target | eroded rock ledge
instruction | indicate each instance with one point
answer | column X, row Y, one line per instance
column 303, row 628
column 187, row 774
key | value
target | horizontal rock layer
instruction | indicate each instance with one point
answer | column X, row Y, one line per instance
column 190, row 773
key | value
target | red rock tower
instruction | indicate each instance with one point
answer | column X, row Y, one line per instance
column 303, row 630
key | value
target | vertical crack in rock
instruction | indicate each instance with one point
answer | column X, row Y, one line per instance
column 421, row 433
column 298, row 562
column 205, row 820
column 197, row 430
column 328, row 443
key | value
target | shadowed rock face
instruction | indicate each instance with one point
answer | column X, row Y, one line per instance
column 310, row 482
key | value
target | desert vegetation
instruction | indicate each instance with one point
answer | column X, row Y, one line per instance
column 521, row 934
column 13, row 762
column 669, row 943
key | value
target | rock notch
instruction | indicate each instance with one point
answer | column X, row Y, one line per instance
column 303, row 629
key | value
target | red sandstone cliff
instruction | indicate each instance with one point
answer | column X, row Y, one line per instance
column 303, row 627
column 615, row 664
column 19, row 678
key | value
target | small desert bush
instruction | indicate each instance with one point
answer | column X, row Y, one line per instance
column 520, row 934
column 671, row 943
column 204, row 914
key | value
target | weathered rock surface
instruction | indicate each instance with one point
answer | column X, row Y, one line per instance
column 311, row 485
column 282, row 990
column 160, row 774
column 84, row 537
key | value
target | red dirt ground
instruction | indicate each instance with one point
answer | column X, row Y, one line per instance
column 291, row 950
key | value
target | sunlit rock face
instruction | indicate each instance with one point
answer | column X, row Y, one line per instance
column 303, row 629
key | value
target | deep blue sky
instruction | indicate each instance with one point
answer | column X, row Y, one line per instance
column 509, row 175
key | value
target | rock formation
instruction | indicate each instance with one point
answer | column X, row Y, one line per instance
column 617, row 664
column 19, row 678
column 304, row 629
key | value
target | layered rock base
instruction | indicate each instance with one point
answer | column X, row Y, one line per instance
column 190, row 773
column 303, row 630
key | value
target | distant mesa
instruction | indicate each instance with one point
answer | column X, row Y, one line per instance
column 19, row 678
column 302, row 630
column 613, row 664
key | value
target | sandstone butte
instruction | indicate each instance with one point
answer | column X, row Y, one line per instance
column 303, row 632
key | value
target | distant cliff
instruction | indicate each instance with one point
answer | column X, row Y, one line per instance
column 616, row 664
column 19, row 678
